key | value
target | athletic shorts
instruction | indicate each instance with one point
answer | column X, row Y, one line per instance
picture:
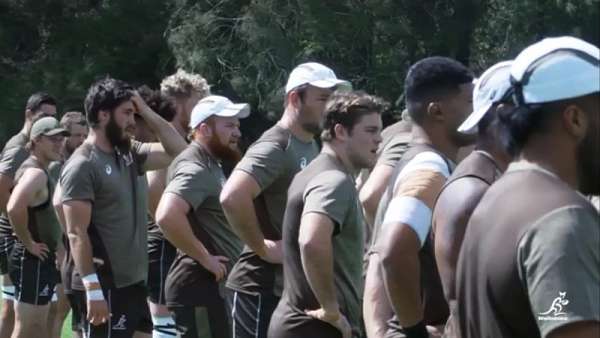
column 34, row 280
column 251, row 314
column 129, row 311
column 159, row 262
column 7, row 243
column 206, row 321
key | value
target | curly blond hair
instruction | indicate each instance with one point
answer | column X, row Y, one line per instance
column 183, row 84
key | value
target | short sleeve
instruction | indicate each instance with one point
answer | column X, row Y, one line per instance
column 392, row 151
column 140, row 152
column 265, row 161
column 78, row 180
column 190, row 181
column 330, row 193
column 559, row 262
column 11, row 160
column 415, row 191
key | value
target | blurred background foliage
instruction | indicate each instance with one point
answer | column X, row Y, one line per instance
column 246, row 48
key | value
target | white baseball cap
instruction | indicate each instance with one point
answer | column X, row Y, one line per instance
column 490, row 88
column 314, row 74
column 218, row 106
column 556, row 69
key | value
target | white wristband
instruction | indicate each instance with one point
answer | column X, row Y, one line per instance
column 95, row 294
column 91, row 278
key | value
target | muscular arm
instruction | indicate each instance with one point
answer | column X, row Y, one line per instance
column 237, row 200
column 156, row 187
column 316, row 253
column 373, row 189
column 450, row 217
column 31, row 183
column 376, row 306
column 171, row 142
column 171, row 216
column 77, row 215
column 402, row 272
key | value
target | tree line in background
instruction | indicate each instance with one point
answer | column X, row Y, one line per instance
column 245, row 48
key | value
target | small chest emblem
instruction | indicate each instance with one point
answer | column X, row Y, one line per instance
column 303, row 163
column 108, row 169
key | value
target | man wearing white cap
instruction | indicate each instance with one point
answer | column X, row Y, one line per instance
column 191, row 218
column 530, row 261
column 471, row 178
column 255, row 196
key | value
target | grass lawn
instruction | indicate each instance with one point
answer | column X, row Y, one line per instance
column 66, row 331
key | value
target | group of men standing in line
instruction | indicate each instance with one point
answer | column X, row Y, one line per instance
column 376, row 234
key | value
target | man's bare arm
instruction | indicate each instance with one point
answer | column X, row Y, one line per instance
column 32, row 182
column 402, row 272
column 376, row 306
column 171, row 216
column 373, row 189
column 452, row 212
column 316, row 253
column 156, row 187
column 237, row 200
column 77, row 218
column 171, row 142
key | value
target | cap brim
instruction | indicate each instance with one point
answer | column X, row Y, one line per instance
column 469, row 126
column 330, row 83
column 56, row 131
column 239, row 110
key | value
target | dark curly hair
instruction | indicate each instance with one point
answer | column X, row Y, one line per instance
column 430, row 79
column 159, row 102
column 105, row 94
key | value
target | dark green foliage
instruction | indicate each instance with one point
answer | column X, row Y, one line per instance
column 246, row 48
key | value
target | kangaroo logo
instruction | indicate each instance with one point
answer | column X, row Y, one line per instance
column 556, row 309
column 120, row 325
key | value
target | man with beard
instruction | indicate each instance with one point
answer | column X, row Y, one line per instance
column 191, row 217
column 530, row 261
column 75, row 125
column 105, row 208
column 471, row 178
column 323, row 232
column 438, row 96
column 13, row 155
column 33, row 259
column 255, row 195
column 178, row 95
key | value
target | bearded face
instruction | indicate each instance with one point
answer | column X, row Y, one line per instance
column 117, row 135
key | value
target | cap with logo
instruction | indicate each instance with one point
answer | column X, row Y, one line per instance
column 47, row 126
column 314, row 74
column 555, row 69
column 215, row 105
column 492, row 87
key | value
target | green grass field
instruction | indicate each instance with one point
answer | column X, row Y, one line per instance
column 66, row 331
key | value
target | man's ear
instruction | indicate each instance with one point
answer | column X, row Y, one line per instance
column 341, row 133
column 205, row 129
column 434, row 111
column 294, row 99
column 575, row 121
column 103, row 116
